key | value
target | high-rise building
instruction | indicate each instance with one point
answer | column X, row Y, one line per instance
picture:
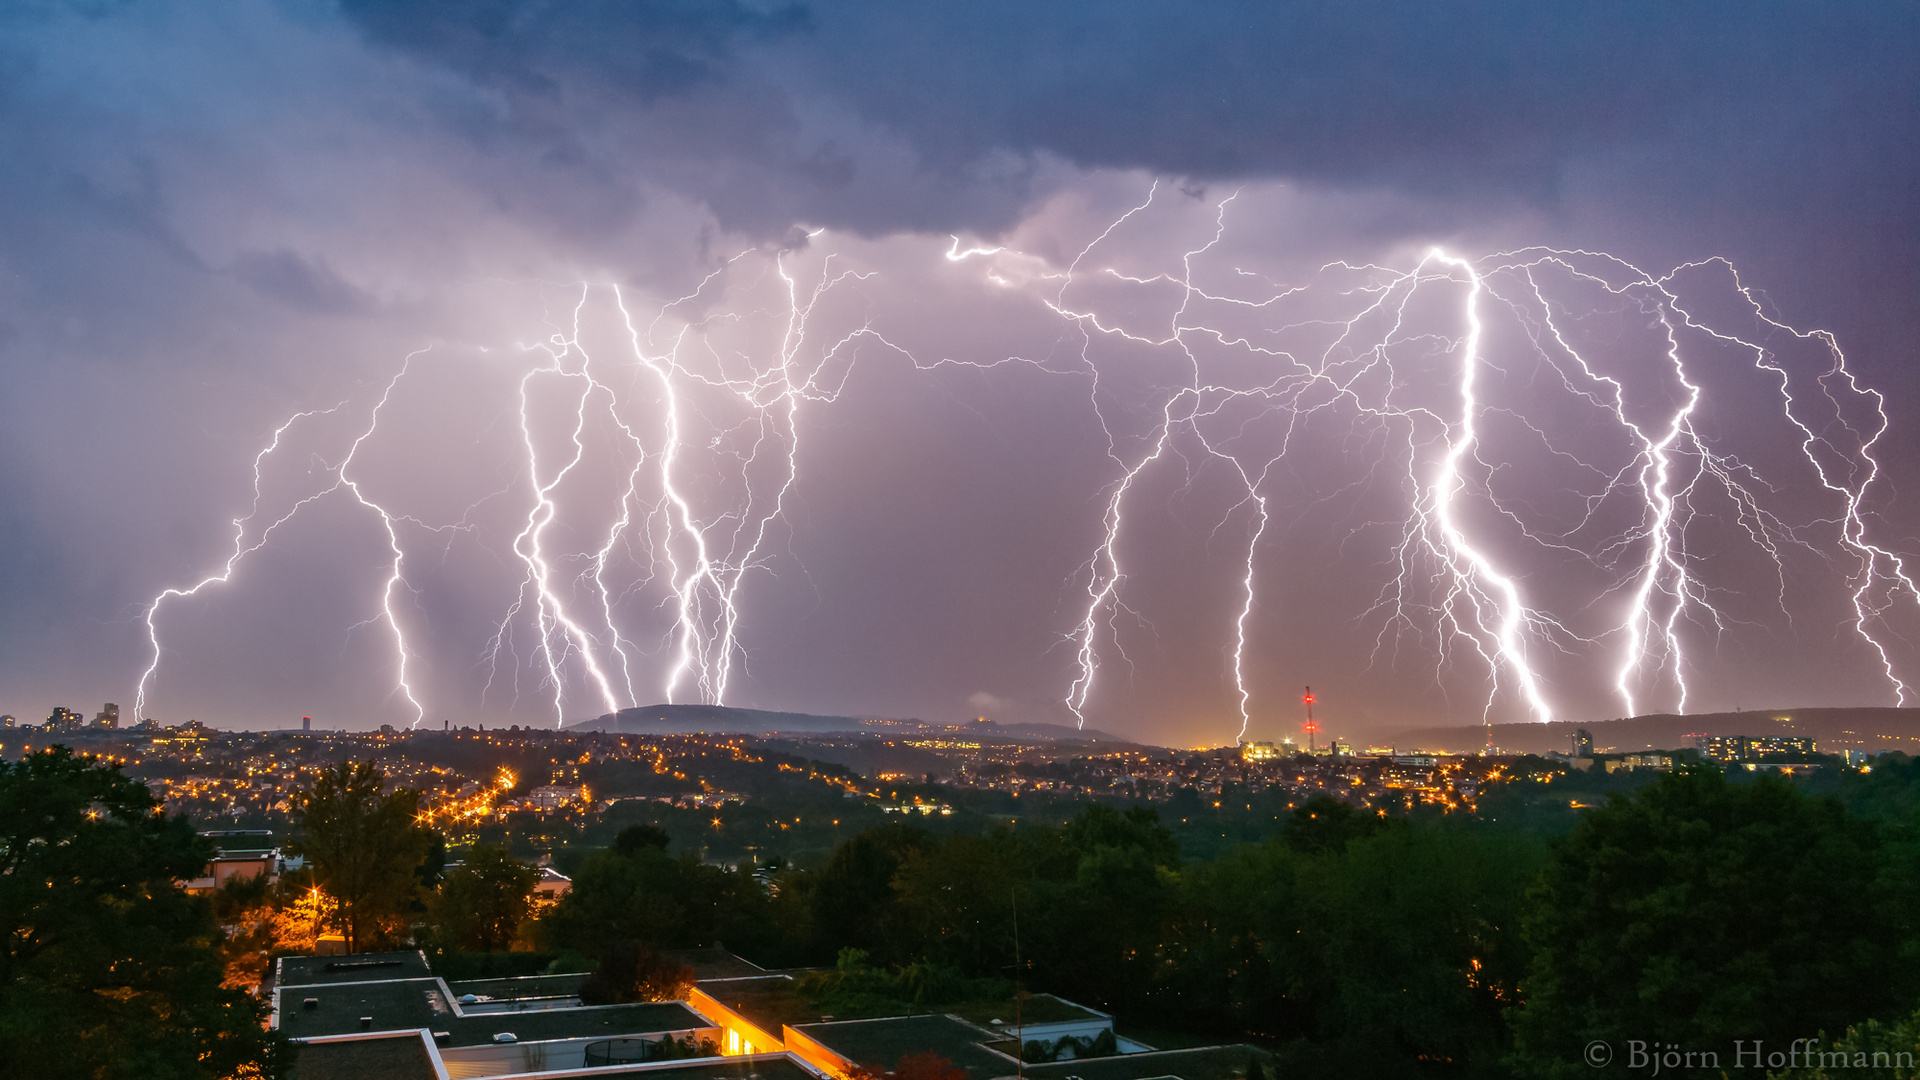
column 1729, row 748
column 64, row 719
column 6, row 722
column 306, row 723
column 108, row 718
column 1582, row 743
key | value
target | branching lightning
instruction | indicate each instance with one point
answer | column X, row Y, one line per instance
column 1523, row 441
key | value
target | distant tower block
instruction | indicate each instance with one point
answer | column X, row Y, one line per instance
column 108, row 718
column 1582, row 743
column 306, row 723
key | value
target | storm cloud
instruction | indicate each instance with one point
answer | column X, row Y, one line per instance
column 223, row 214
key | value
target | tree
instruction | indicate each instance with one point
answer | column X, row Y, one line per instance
column 482, row 903
column 1409, row 941
column 1890, row 1050
column 364, row 847
column 1702, row 911
column 1325, row 824
column 851, row 896
column 630, row 971
column 109, row 969
column 634, row 838
column 652, row 897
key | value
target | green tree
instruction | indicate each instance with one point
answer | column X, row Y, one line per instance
column 1106, row 900
column 646, row 895
column 1883, row 1050
column 1409, row 942
column 630, row 971
column 365, row 848
column 482, row 903
column 850, row 899
column 109, row 969
column 1700, row 911
column 1324, row 824
column 955, row 904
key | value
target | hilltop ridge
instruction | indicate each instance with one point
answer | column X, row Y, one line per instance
column 728, row 720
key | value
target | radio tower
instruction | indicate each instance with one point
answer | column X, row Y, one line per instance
column 1310, row 726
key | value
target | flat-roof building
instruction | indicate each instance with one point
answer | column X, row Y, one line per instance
column 387, row 1016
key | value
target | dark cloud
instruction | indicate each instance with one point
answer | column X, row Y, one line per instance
column 220, row 214
column 1494, row 98
column 537, row 47
column 307, row 285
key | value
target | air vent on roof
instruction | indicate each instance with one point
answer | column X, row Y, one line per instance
column 310, row 1003
column 362, row 965
column 505, row 1037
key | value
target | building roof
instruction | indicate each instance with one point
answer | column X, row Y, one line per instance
column 713, row 962
column 759, row 1067
column 526, row 986
column 400, row 1056
column 880, row 1044
column 339, row 1008
column 421, row 1003
column 642, row 1018
column 1033, row 1009
column 769, row 1001
column 1203, row 1063
column 359, row 967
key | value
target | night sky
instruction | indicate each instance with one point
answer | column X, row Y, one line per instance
column 876, row 307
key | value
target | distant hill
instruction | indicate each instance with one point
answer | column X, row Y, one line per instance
column 714, row 719
column 726, row 720
column 1871, row 729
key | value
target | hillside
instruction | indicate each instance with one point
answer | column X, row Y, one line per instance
column 727, row 720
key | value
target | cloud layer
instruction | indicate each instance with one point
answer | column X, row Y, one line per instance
column 228, row 213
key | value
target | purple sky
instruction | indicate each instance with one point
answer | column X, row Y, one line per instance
column 957, row 265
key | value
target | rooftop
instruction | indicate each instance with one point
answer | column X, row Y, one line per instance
column 1033, row 1009
column 529, row 986
column 770, row 1001
column 362, row 967
column 1205, row 1063
column 762, row 1067
column 391, row 1057
column 642, row 1018
column 880, row 1044
column 713, row 963
column 420, row 1003
column 403, row 1056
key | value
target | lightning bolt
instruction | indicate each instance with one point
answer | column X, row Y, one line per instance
column 342, row 481
column 560, row 635
column 1479, row 600
column 1441, row 386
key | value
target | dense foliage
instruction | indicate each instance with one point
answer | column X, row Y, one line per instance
column 482, row 903
column 1687, row 910
column 1692, row 909
column 365, row 850
column 1706, row 911
column 108, row 968
column 630, row 971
